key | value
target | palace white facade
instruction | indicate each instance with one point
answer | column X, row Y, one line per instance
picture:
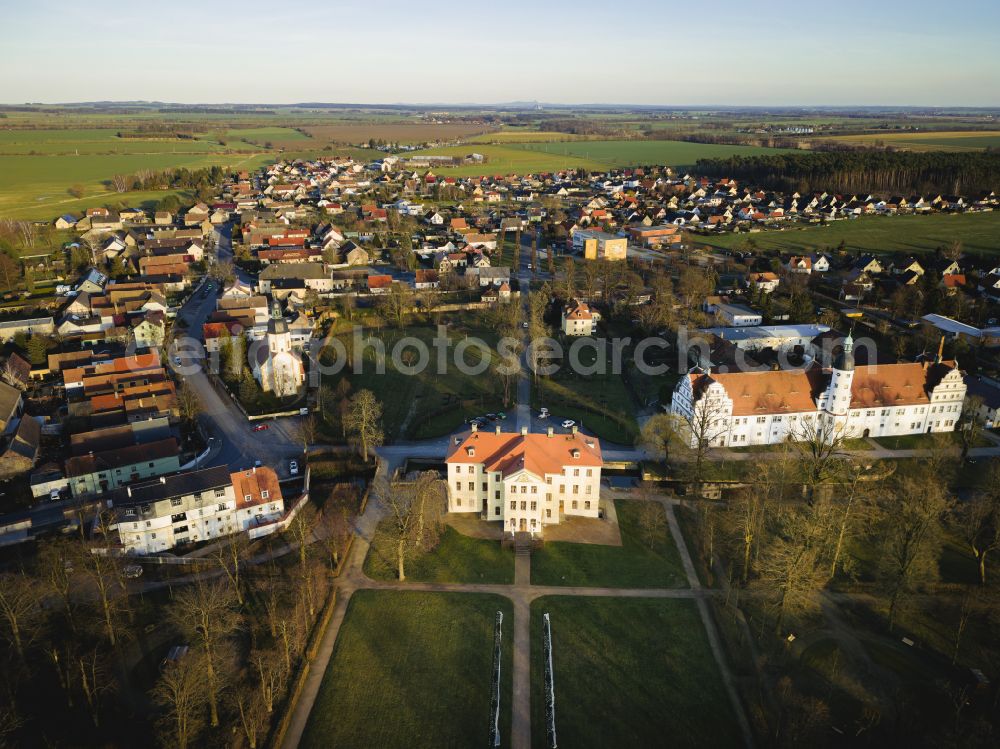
column 524, row 480
column 762, row 408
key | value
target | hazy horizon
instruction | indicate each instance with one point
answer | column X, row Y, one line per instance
column 781, row 55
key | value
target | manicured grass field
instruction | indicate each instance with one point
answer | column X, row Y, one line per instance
column 634, row 564
column 634, row 672
column 457, row 559
column 975, row 140
column 978, row 232
column 413, row 670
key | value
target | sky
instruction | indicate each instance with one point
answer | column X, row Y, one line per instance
column 778, row 53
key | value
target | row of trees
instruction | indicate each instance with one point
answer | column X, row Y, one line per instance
column 896, row 172
column 80, row 641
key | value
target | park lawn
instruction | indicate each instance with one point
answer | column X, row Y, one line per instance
column 851, row 444
column 978, row 232
column 634, row 564
column 413, row 670
column 629, row 672
column 601, row 403
column 439, row 401
column 457, row 559
column 923, row 441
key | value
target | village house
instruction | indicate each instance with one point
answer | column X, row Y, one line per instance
column 578, row 319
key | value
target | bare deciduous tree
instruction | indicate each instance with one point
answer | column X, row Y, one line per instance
column 19, row 609
column 206, row 612
column 363, row 421
column 910, row 533
column 180, row 691
column 978, row 519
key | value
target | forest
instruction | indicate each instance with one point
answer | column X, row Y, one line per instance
column 883, row 172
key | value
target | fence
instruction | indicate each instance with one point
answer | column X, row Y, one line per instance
column 550, row 686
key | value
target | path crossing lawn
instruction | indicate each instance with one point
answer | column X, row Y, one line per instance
column 412, row 670
column 634, row 564
column 456, row 559
column 629, row 672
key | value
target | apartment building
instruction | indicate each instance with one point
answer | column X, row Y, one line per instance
column 199, row 505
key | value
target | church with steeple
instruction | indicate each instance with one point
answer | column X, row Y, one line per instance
column 844, row 400
column 277, row 367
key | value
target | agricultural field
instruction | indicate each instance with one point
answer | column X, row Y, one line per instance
column 595, row 155
column 36, row 186
column 399, row 132
column 413, row 670
column 629, row 672
column 525, row 136
column 612, row 153
column 927, row 141
column 978, row 232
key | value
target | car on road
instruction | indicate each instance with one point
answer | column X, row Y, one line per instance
column 261, row 427
column 524, row 325
column 293, row 467
column 568, row 424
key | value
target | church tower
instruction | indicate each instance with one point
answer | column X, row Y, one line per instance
column 279, row 339
column 838, row 394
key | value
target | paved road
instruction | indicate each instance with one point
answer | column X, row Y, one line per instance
column 234, row 442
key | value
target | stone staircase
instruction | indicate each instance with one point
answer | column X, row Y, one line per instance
column 522, row 544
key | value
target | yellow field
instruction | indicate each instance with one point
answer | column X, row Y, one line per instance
column 977, row 140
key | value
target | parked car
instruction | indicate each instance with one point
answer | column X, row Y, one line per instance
column 177, row 361
column 261, row 427
column 293, row 467
column 257, row 463
column 568, row 424
column 132, row 571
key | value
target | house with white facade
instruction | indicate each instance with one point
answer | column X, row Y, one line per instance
column 737, row 315
column 579, row 319
column 524, row 481
column 769, row 407
column 277, row 366
column 200, row 505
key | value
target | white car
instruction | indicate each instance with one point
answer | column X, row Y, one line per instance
column 293, row 468
column 568, row 424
